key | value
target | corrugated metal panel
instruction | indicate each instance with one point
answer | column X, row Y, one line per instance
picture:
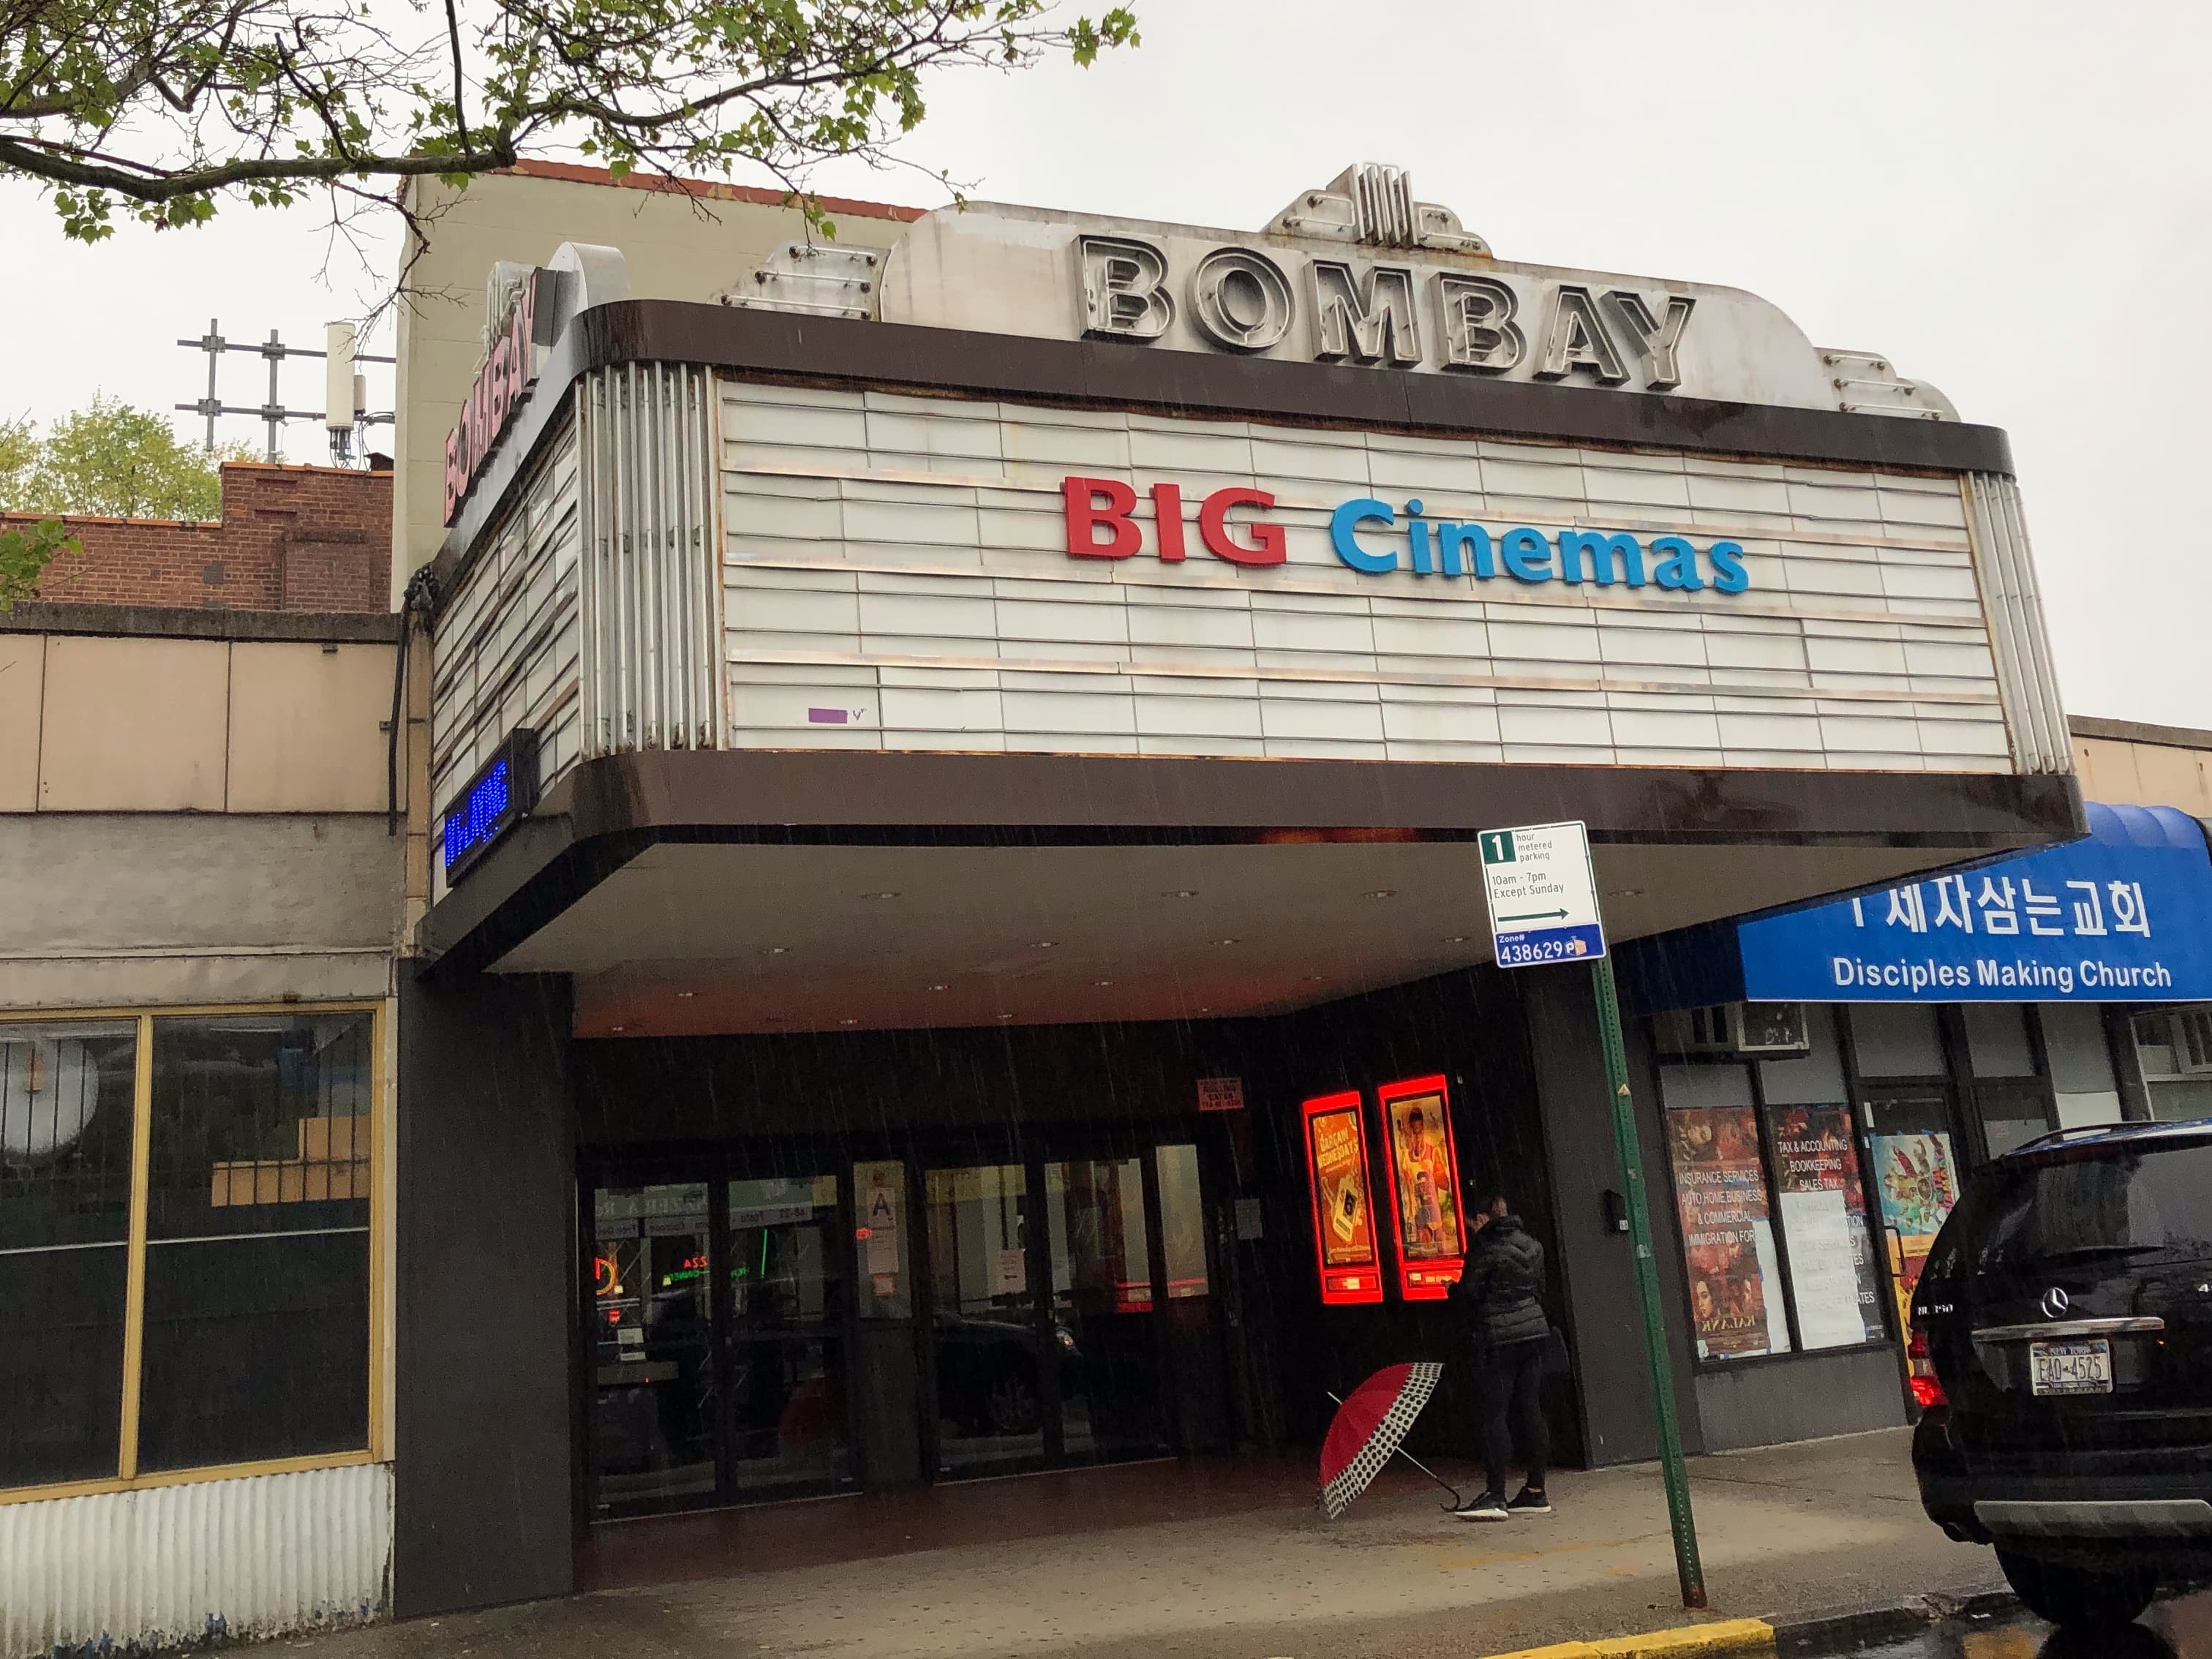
column 651, row 578
column 263, row 1556
column 2027, row 680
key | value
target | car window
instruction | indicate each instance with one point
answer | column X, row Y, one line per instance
column 2106, row 1203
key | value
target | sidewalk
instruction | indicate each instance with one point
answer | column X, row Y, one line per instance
column 1220, row 1568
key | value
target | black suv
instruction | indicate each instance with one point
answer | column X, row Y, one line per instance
column 2062, row 1352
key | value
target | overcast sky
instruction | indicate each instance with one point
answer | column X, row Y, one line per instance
column 2010, row 202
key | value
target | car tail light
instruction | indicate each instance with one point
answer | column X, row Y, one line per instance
column 1927, row 1390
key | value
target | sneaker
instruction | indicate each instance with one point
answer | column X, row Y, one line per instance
column 1529, row 1501
column 1491, row 1506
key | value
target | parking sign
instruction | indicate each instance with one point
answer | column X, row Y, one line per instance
column 1543, row 894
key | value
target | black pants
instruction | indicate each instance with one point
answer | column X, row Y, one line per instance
column 1511, row 1378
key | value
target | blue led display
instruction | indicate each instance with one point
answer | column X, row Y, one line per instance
column 477, row 818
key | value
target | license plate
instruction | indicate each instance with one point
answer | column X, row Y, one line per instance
column 2070, row 1367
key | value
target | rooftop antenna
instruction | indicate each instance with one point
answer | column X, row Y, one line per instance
column 273, row 413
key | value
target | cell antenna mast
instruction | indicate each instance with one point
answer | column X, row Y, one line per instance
column 273, row 413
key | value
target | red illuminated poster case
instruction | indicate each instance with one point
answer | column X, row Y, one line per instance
column 1343, row 1201
column 1423, row 1166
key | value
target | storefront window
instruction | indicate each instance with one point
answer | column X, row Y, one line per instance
column 879, row 1230
column 1721, row 1197
column 1997, row 1041
column 2174, row 1047
column 257, row 1260
column 253, row 1340
column 66, row 1095
column 1835, row 1286
column 2080, row 1064
column 1896, row 1039
column 1182, row 1222
column 1916, row 1180
column 1834, row 1289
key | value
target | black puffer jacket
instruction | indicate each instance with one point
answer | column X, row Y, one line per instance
column 1501, row 1292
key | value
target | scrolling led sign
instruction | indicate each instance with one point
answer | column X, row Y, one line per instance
column 501, row 793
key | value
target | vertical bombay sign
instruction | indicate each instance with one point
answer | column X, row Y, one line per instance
column 1343, row 1201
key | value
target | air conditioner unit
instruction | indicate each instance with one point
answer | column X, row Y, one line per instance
column 1736, row 1031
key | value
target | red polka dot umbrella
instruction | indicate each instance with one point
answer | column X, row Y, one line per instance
column 1370, row 1423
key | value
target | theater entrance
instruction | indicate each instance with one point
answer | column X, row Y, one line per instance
column 762, row 1323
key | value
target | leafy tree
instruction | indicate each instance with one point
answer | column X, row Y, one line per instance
column 125, row 462
column 109, row 459
column 166, row 107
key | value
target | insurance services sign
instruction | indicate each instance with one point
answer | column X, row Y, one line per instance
column 2123, row 916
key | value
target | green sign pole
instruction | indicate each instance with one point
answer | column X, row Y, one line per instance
column 1687, row 1567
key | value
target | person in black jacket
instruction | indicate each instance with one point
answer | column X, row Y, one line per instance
column 1500, row 1296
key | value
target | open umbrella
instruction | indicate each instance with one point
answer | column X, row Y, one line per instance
column 1369, row 1426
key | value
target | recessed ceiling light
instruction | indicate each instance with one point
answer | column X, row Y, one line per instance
column 1182, row 892
column 779, row 950
column 879, row 896
column 617, row 1028
column 687, row 995
column 1626, row 892
column 1046, row 943
column 1005, row 1016
column 848, row 1022
column 1312, row 979
column 1101, row 982
column 1456, row 939
column 1225, row 941
column 1207, row 1009
column 1382, row 892
column 940, row 987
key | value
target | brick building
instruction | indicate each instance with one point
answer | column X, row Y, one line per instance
column 312, row 538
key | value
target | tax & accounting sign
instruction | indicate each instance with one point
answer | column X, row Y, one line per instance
column 1543, row 894
column 2124, row 916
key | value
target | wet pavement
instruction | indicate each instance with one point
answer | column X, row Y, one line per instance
column 2176, row 1629
column 1223, row 1562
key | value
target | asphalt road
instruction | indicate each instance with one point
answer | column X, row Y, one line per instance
column 2176, row 1629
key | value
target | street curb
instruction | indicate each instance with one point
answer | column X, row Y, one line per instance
column 1841, row 1630
column 1723, row 1637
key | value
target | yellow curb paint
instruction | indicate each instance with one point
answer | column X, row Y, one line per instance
column 1723, row 1637
column 1727, row 1636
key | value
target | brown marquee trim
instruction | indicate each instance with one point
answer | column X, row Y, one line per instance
column 777, row 345
column 606, row 811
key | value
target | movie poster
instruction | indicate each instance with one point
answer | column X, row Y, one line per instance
column 1915, row 1184
column 1343, row 1207
column 1728, row 1236
column 1347, row 1234
column 1832, row 1276
column 1423, row 1178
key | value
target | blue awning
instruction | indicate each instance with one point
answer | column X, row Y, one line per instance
column 2124, row 915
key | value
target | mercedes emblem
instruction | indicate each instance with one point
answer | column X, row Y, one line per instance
column 2055, row 1302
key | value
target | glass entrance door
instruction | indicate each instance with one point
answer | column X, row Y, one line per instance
column 1111, row 1402
column 994, row 1377
column 786, row 1353
column 653, row 1387
column 716, row 1341
column 1071, row 1311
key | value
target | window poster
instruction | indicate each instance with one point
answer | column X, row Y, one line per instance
column 1916, row 1184
column 1728, row 1236
column 879, row 1228
column 1423, row 1170
column 1833, row 1283
column 1343, row 1203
